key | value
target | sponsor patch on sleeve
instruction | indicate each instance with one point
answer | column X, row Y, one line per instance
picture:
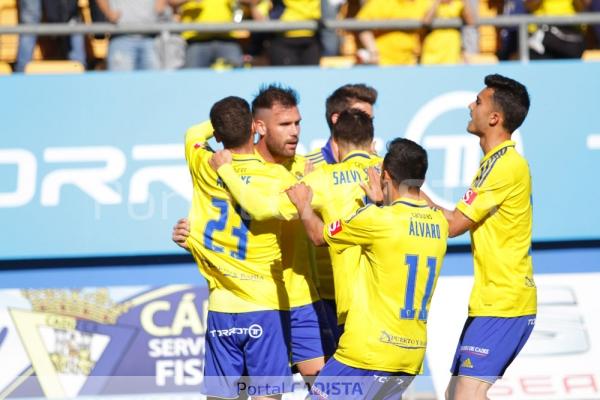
column 335, row 228
column 469, row 196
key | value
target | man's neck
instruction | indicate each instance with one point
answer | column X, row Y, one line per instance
column 344, row 151
column 247, row 148
column 412, row 193
column 489, row 142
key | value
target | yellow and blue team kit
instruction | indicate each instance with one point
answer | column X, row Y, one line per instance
column 403, row 245
column 336, row 194
column 503, row 302
column 248, row 322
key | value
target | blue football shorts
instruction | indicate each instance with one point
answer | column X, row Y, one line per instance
column 338, row 381
column 247, row 352
column 488, row 345
column 331, row 313
column 311, row 334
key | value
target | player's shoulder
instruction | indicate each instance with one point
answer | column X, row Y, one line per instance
column 365, row 213
column 316, row 157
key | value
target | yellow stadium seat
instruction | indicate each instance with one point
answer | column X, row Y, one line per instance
column 481, row 58
column 337, row 61
column 54, row 67
column 5, row 69
column 591, row 55
column 8, row 43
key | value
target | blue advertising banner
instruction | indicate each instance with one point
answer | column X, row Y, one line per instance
column 92, row 165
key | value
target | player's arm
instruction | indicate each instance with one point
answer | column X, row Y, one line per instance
column 197, row 136
column 261, row 202
column 458, row 223
column 300, row 196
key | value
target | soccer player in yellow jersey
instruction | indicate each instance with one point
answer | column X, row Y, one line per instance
column 350, row 96
column 337, row 193
column 497, row 211
column 277, row 121
column 248, row 320
column 404, row 243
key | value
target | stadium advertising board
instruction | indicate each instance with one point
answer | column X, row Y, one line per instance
column 150, row 339
column 93, row 165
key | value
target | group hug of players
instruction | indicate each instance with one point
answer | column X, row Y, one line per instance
column 327, row 263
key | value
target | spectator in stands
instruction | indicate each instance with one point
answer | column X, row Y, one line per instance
column 298, row 47
column 470, row 33
column 204, row 49
column 508, row 36
column 554, row 41
column 128, row 52
column 595, row 7
column 443, row 46
column 330, row 41
column 397, row 47
column 54, row 11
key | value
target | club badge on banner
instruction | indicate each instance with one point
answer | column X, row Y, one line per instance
column 62, row 343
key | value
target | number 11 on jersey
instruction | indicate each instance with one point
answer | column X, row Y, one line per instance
column 409, row 312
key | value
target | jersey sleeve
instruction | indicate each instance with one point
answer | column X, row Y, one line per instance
column 261, row 200
column 195, row 139
column 356, row 230
column 484, row 196
column 318, row 183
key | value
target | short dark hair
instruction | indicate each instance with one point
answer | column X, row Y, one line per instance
column 406, row 162
column 512, row 99
column 343, row 96
column 273, row 94
column 232, row 121
column 353, row 127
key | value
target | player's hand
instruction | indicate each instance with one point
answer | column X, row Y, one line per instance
column 181, row 231
column 308, row 167
column 373, row 187
column 220, row 158
column 300, row 195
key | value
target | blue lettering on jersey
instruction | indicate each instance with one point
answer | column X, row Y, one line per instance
column 424, row 230
column 344, row 177
column 245, row 179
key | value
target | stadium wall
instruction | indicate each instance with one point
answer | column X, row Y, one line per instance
column 95, row 161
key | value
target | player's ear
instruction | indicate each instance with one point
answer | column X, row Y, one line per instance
column 259, row 127
column 495, row 118
column 334, row 117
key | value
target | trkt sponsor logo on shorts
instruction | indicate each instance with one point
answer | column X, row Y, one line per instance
column 254, row 331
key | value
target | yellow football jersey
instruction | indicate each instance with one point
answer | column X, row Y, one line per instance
column 499, row 202
column 404, row 245
column 240, row 259
column 324, row 272
column 337, row 194
column 296, row 255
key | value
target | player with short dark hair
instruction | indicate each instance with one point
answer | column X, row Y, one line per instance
column 497, row 211
column 350, row 96
column 403, row 243
column 248, row 322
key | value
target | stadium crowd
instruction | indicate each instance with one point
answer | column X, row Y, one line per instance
column 194, row 49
